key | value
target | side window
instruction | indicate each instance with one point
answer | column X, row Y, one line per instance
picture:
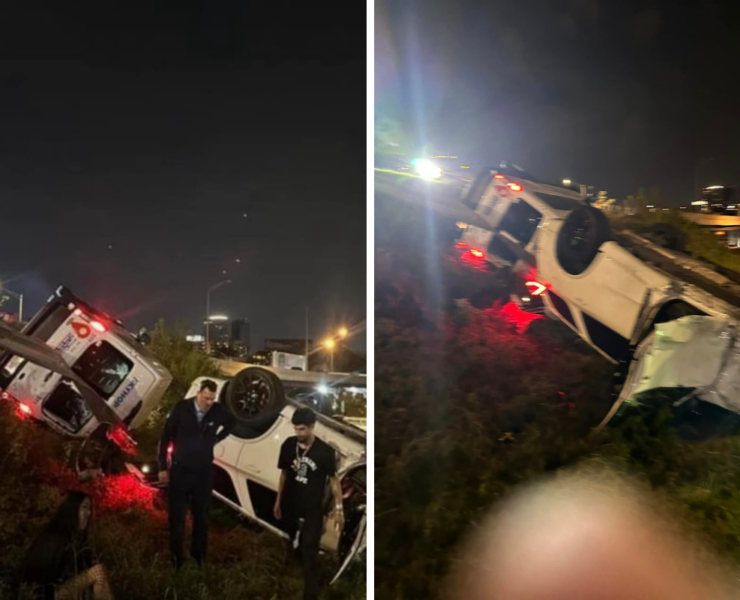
column 103, row 367
column 606, row 339
column 561, row 307
column 521, row 221
column 52, row 321
column 499, row 248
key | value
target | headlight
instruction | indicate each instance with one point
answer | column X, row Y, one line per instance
column 426, row 168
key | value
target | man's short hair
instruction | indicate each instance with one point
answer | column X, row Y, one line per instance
column 208, row 384
column 304, row 416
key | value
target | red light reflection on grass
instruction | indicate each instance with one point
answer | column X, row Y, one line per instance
column 513, row 314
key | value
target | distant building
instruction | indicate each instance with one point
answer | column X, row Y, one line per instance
column 240, row 341
column 220, row 337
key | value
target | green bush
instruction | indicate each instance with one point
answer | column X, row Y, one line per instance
column 186, row 362
column 699, row 241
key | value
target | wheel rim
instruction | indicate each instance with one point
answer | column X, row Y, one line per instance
column 251, row 394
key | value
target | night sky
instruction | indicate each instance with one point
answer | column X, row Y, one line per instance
column 613, row 94
column 132, row 142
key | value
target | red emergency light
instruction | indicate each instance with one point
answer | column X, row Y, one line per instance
column 476, row 253
column 118, row 434
column 514, row 187
column 98, row 326
column 499, row 176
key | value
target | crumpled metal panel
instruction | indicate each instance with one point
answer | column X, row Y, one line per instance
column 695, row 352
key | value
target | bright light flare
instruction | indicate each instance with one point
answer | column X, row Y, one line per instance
column 426, row 168
column 24, row 408
column 476, row 253
column 499, row 176
column 98, row 326
column 329, row 344
column 514, row 187
column 322, row 389
column 343, row 332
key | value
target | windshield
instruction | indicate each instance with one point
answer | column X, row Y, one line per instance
column 347, row 405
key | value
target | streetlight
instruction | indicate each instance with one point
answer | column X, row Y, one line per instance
column 567, row 182
column 208, row 312
column 18, row 297
column 330, row 344
column 343, row 332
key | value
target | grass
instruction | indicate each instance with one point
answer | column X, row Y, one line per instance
column 468, row 409
column 129, row 530
column 699, row 241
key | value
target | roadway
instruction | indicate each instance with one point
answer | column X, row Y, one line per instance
column 440, row 196
column 712, row 219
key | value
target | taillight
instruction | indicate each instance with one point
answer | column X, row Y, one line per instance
column 535, row 288
column 476, row 253
column 461, row 244
column 499, row 176
column 98, row 326
column 515, row 187
column 120, row 437
column 24, row 408
column 170, row 448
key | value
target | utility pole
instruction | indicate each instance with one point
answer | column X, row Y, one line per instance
column 306, row 367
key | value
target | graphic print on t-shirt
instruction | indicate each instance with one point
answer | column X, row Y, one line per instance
column 301, row 465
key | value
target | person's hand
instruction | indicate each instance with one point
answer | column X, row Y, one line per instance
column 164, row 477
column 277, row 511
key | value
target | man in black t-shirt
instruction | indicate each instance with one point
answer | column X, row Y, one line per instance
column 306, row 464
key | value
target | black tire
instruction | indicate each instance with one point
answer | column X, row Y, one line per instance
column 254, row 392
column 584, row 231
column 667, row 236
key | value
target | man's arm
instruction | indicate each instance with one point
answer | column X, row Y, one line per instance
column 168, row 434
column 227, row 426
column 283, row 464
column 278, row 510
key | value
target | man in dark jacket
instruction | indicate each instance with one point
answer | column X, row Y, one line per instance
column 193, row 428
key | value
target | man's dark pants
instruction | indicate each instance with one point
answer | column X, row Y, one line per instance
column 189, row 486
column 308, row 550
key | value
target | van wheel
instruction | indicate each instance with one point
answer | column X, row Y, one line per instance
column 584, row 231
column 252, row 392
column 667, row 236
